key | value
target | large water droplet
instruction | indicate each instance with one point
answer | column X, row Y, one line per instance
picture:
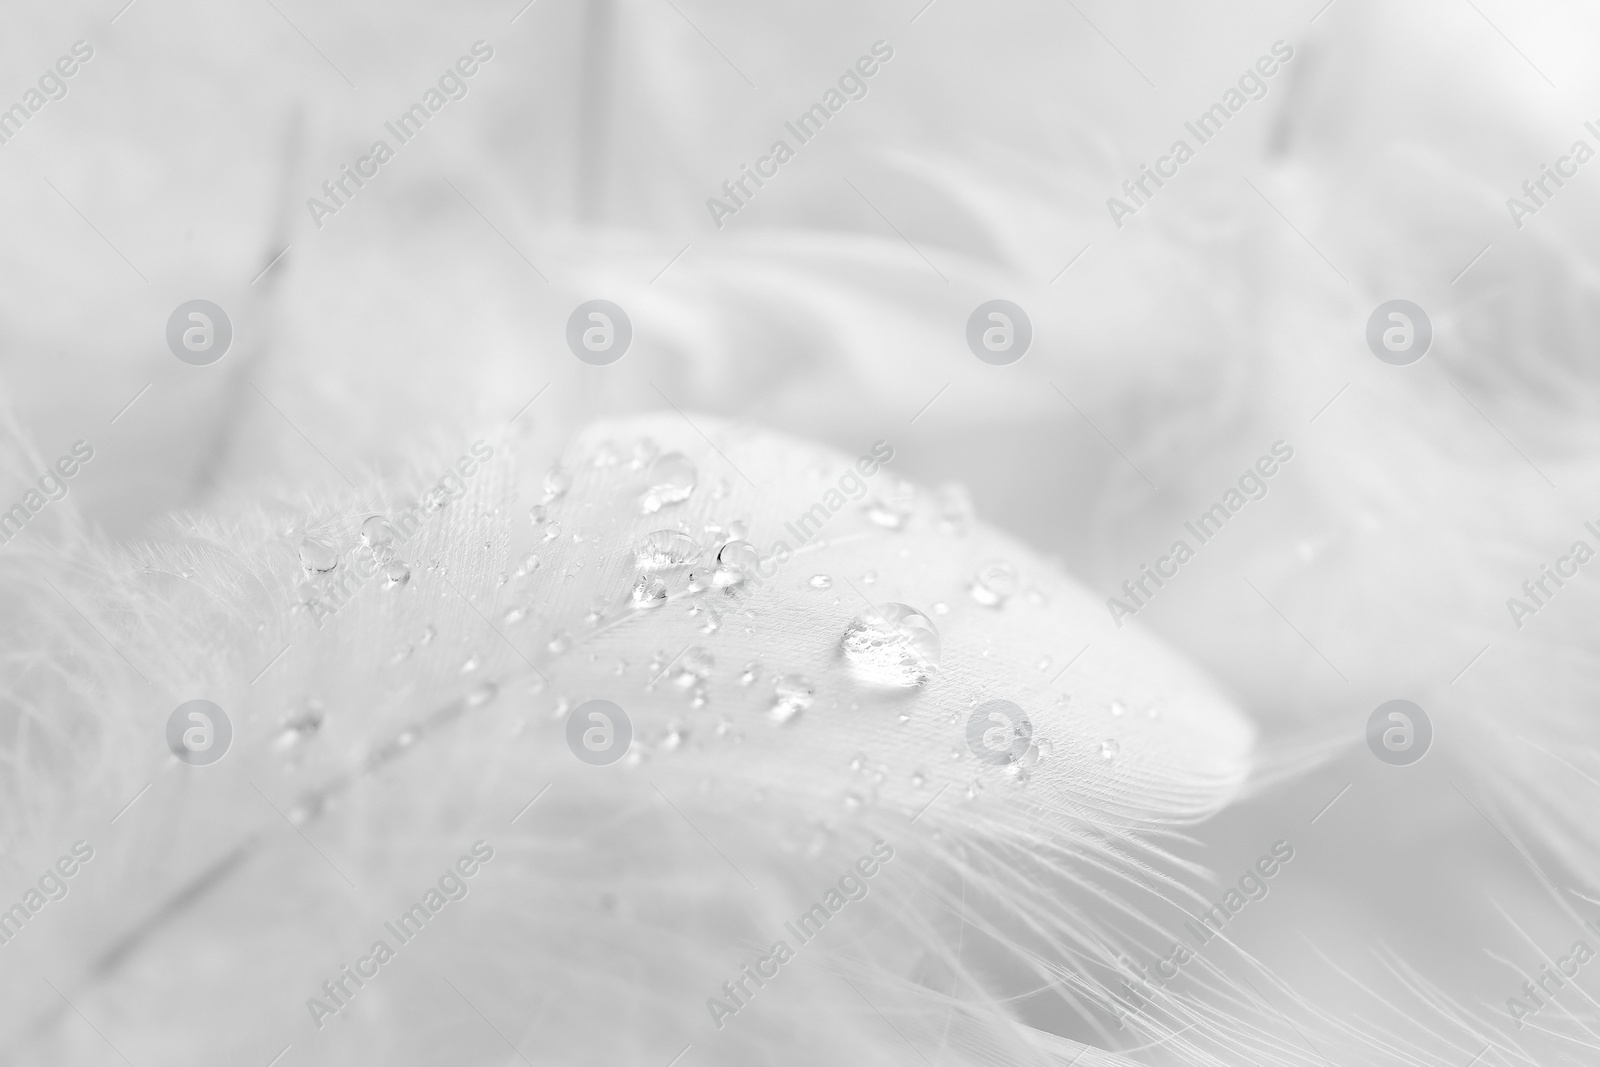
column 318, row 557
column 672, row 479
column 737, row 561
column 994, row 584
column 645, row 452
column 556, row 483
column 895, row 646
column 377, row 533
column 665, row 549
column 792, row 694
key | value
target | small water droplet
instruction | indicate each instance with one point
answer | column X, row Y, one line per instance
column 648, row 592
column 666, row 549
column 472, row 663
column 515, row 615
column 529, row 564
column 1046, row 747
column 751, row 672
column 674, row 738
column 397, row 574
column 1044, row 663
column 886, row 515
column 895, row 646
column 428, row 634
column 552, row 531
column 538, row 513
column 298, row 729
column 1109, row 749
column 821, row 581
column 941, row 608
column 556, row 483
column 869, row 578
column 317, row 557
column 693, row 666
column 606, row 455
column 560, row 642
column 994, row 583
column 852, row 801
column 739, row 530
column 918, row 779
column 482, row 695
column 672, row 478
column 1118, row 709
column 792, row 695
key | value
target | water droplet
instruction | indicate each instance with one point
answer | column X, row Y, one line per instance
column 645, row 452
column 955, row 509
column 397, row 574
column 895, row 646
column 674, row 738
column 751, row 672
column 515, row 615
column 792, row 694
column 1044, row 663
column 482, row 695
column 852, row 801
column 648, row 592
column 1037, row 597
column 377, row 533
column 298, row 729
column 666, row 549
column 556, row 483
column 672, row 479
column 886, row 515
column 821, row 581
column 1109, row 749
column 941, row 608
column 918, row 779
column 538, row 513
column 1046, row 747
column 1118, row 709
column 994, row 583
column 317, row 557
column 428, row 634
column 739, row 530
column 693, row 666
column 552, row 531
column 606, row 455
column 737, row 561
column 529, row 564
column 869, row 578
column 472, row 663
